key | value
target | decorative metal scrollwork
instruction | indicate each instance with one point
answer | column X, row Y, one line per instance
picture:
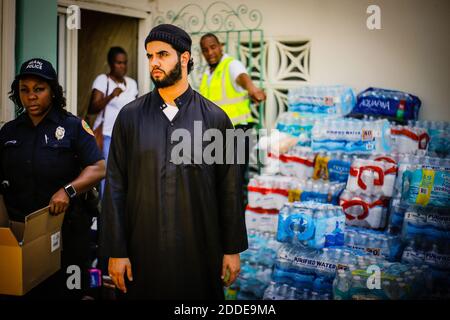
column 219, row 16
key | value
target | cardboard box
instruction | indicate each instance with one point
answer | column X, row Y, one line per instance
column 30, row 251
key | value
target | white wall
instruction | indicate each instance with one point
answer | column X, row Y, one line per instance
column 409, row 53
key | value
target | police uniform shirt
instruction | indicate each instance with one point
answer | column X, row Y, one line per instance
column 36, row 161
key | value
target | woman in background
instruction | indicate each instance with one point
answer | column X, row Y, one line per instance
column 110, row 93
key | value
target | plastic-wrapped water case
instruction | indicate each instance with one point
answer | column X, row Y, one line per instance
column 439, row 132
column 351, row 136
column 327, row 100
column 364, row 210
column 390, row 104
column 312, row 224
column 426, row 185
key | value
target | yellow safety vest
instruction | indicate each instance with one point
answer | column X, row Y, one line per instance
column 221, row 91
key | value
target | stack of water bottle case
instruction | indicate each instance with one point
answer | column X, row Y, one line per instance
column 353, row 201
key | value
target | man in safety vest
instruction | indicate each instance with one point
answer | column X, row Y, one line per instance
column 227, row 84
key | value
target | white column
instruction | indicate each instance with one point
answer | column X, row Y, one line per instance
column 7, row 57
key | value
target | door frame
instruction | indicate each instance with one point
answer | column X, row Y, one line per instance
column 7, row 57
column 71, row 45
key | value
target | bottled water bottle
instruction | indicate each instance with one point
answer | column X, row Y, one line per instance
column 362, row 264
column 283, row 263
column 412, row 254
column 387, row 289
column 314, row 296
column 337, row 254
column 325, row 296
column 363, row 241
column 341, row 286
column 345, row 260
column 384, row 246
column 270, row 293
column 326, row 256
column 358, row 288
column 292, row 294
column 282, row 292
column 305, row 295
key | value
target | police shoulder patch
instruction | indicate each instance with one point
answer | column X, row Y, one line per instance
column 86, row 127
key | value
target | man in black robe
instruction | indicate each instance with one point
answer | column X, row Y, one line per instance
column 170, row 231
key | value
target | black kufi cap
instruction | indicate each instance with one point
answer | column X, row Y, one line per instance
column 177, row 37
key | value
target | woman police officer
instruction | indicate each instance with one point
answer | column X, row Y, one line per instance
column 49, row 157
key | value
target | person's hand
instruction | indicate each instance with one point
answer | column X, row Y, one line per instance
column 117, row 268
column 117, row 91
column 257, row 95
column 231, row 266
column 59, row 202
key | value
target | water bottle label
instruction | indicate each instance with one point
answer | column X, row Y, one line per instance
column 341, row 266
column 355, row 247
column 325, row 266
column 294, row 195
column 429, row 187
column 413, row 256
column 425, row 187
column 261, row 219
column 440, row 261
column 374, row 251
column 321, row 168
column 367, row 135
column 338, row 170
column 301, row 262
column 388, row 103
column 415, row 218
column 439, row 221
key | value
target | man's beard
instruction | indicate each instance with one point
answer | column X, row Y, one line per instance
column 213, row 65
column 170, row 79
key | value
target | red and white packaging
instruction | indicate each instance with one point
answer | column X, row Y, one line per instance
column 364, row 211
column 261, row 219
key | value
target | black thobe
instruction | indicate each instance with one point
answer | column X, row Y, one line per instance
column 174, row 222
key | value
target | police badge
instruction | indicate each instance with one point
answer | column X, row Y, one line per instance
column 59, row 133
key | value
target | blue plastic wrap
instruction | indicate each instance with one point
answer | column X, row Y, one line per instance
column 391, row 104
